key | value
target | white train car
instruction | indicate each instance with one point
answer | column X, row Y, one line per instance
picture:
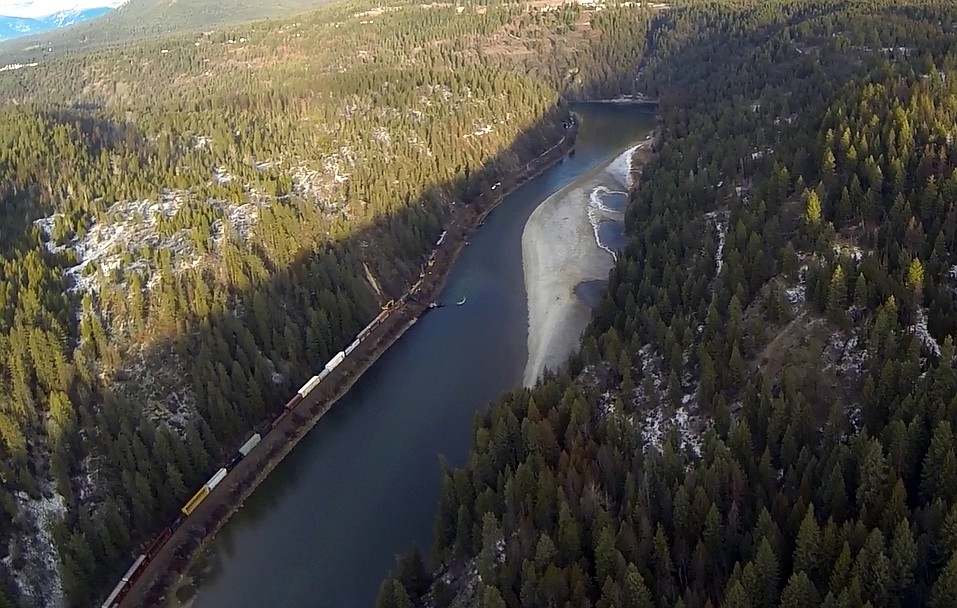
column 335, row 361
column 351, row 348
column 308, row 386
column 216, row 479
column 249, row 445
column 111, row 598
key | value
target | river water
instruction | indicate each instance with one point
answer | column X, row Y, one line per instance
column 323, row 530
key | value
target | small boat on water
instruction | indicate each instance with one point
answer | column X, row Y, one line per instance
column 462, row 302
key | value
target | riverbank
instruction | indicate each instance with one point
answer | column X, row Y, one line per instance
column 159, row 577
column 561, row 250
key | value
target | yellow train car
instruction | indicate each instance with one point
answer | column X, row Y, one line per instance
column 193, row 502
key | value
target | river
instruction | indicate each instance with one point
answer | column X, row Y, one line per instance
column 323, row 529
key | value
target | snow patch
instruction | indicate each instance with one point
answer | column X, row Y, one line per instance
column 845, row 355
column 719, row 219
column 851, row 251
column 37, row 9
column 133, row 227
column 201, row 142
column 797, row 295
column 657, row 423
column 920, row 330
column 39, row 578
column 17, row 66
column 479, row 132
column 222, row 176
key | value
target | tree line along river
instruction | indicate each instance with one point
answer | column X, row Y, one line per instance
column 323, row 529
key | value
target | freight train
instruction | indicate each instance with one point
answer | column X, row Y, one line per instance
column 126, row 582
column 123, row 587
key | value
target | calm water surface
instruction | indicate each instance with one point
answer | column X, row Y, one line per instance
column 322, row 531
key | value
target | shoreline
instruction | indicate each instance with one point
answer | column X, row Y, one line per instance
column 165, row 571
column 561, row 250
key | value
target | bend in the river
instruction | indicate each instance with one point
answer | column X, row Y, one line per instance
column 325, row 526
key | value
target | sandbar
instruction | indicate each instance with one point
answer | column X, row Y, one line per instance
column 560, row 251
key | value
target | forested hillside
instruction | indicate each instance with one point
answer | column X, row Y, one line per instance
column 763, row 411
column 144, row 19
column 190, row 227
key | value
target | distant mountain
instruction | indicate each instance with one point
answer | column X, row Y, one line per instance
column 24, row 17
column 13, row 27
column 133, row 20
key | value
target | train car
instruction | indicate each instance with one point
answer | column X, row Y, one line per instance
column 349, row 349
column 308, row 386
column 158, row 542
column 194, row 502
column 293, row 402
column 441, row 238
column 123, row 587
column 115, row 596
column 249, row 445
column 335, row 361
column 216, row 479
column 279, row 418
column 388, row 305
column 323, row 375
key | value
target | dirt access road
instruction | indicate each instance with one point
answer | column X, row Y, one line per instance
column 159, row 576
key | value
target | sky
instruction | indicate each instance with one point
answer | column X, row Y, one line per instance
column 34, row 9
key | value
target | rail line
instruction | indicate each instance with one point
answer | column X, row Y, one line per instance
column 140, row 563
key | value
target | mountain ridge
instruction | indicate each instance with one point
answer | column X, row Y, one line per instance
column 13, row 27
column 139, row 20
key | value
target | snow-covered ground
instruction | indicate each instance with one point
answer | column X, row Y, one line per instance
column 134, row 226
column 158, row 388
column 649, row 411
column 797, row 295
column 657, row 423
column 845, row 354
column 18, row 66
column 719, row 219
column 920, row 330
column 35, row 9
column 39, row 578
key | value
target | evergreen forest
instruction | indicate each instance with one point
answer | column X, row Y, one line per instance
column 191, row 226
column 763, row 409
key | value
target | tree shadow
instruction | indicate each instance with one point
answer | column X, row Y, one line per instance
column 260, row 339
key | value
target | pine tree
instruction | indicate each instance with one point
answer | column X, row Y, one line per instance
column 807, row 551
column 903, row 557
column 837, row 293
column 812, row 208
column 799, row 593
column 915, row 276
column 636, row 593
column 945, row 589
